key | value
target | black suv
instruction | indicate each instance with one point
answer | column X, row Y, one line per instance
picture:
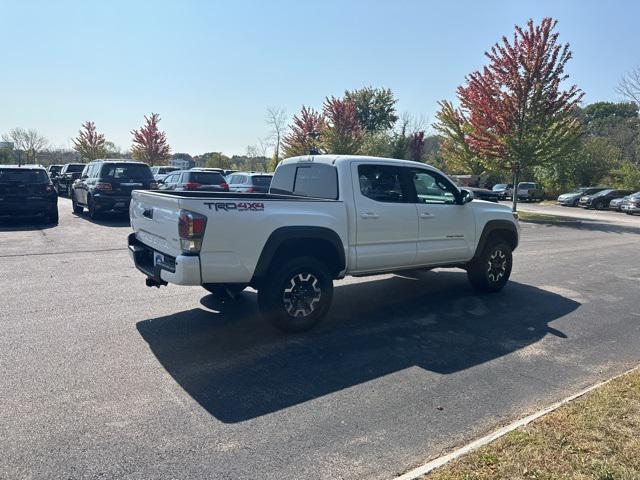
column 69, row 173
column 107, row 185
column 54, row 171
column 27, row 191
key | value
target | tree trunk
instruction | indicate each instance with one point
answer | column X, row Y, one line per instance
column 514, row 190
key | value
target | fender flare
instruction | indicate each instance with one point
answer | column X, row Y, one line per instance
column 283, row 234
column 494, row 226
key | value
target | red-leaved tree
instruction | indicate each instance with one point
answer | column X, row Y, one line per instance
column 305, row 132
column 149, row 143
column 343, row 134
column 416, row 146
column 518, row 110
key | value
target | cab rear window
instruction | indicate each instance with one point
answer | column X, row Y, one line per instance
column 307, row 180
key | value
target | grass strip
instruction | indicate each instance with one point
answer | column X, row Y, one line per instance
column 594, row 437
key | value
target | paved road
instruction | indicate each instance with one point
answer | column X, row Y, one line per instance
column 105, row 378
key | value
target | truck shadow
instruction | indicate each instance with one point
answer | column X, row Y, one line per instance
column 237, row 367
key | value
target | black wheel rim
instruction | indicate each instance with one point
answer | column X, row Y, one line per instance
column 497, row 266
column 301, row 295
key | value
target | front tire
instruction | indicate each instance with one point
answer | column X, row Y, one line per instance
column 297, row 295
column 490, row 271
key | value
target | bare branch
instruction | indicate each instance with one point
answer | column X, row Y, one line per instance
column 629, row 86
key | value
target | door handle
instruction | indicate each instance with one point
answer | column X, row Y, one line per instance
column 369, row 215
column 426, row 215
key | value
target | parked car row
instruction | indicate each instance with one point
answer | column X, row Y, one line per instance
column 106, row 185
column 527, row 191
column 602, row 198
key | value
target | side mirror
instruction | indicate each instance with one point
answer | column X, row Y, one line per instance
column 466, row 197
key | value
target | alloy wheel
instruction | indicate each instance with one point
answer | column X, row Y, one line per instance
column 496, row 266
column 302, row 295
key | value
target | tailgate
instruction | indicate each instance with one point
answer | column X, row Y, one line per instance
column 154, row 219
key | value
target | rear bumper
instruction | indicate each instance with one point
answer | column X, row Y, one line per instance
column 181, row 270
column 109, row 202
column 27, row 208
column 630, row 208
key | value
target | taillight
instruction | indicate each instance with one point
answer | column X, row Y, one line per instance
column 104, row 186
column 191, row 227
column 251, row 190
column 224, row 185
column 192, row 186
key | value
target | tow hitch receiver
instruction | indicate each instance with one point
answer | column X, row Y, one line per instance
column 150, row 282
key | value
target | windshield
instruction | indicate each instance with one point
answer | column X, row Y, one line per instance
column 500, row 186
column 262, row 180
column 602, row 193
column 206, row 178
column 126, row 171
column 75, row 167
column 23, row 175
column 527, row 185
column 55, row 168
column 162, row 170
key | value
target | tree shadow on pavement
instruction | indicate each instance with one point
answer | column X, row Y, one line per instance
column 238, row 367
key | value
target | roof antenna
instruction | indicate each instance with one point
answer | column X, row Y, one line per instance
column 314, row 135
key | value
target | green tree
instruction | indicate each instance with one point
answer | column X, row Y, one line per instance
column 454, row 130
column 89, row 143
column 379, row 144
column 375, row 107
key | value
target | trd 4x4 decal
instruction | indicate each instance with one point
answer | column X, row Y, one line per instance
column 239, row 206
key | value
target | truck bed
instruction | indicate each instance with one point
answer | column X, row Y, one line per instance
column 237, row 229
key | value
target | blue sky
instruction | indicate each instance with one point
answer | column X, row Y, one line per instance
column 212, row 68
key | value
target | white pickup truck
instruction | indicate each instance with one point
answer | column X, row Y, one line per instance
column 324, row 217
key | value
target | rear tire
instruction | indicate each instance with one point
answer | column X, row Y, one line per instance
column 94, row 214
column 77, row 209
column 490, row 271
column 297, row 295
column 53, row 217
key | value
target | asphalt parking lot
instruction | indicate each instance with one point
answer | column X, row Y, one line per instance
column 103, row 377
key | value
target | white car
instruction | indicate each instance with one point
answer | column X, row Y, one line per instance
column 325, row 217
column 161, row 172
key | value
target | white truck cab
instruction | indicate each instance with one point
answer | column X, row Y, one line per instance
column 325, row 216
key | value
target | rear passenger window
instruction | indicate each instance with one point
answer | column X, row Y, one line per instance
column 382, row 183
